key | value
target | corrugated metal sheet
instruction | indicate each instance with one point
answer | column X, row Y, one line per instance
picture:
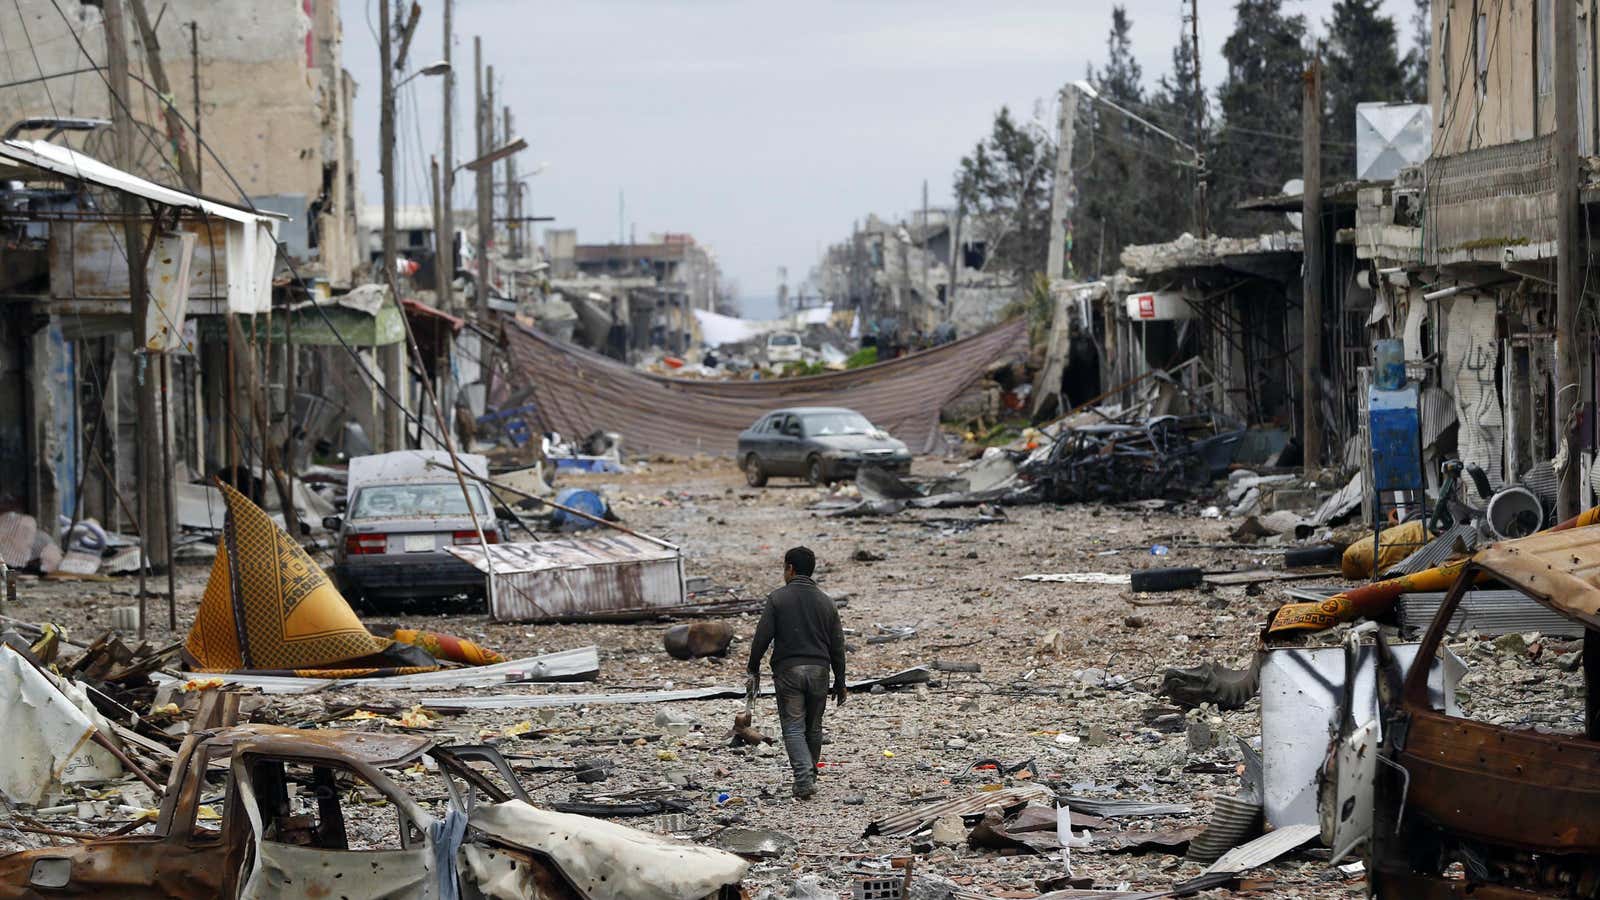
column 1437, row 550
column 1560, row 568
column 971, row 805
column 578, row 392
column 1265, row 849
column 552, row 580
column 1489, row 613
column 16, row 538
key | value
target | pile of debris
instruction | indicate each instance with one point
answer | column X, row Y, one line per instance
column 1165, row 457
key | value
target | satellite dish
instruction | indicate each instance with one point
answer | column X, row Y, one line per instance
column 1291, row 188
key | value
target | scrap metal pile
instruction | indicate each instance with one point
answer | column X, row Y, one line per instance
column 1165, row 457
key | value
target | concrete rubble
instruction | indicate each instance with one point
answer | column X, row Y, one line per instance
column 1017, row 699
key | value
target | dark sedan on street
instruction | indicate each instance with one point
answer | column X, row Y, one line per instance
column 817, row 443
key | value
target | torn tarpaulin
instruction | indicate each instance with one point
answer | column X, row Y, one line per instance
column 579, row 392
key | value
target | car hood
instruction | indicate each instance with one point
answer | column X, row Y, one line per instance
column 857, row 442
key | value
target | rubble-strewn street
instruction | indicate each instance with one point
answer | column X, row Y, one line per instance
column 1067, row 677
column 507, row 451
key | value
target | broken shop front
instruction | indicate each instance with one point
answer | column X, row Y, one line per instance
column 1467, row 281
column 70, row 373
column 1222, row 316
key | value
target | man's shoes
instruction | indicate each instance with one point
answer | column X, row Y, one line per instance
column 805, row 790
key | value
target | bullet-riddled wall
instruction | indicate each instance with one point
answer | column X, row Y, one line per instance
column 273, row 107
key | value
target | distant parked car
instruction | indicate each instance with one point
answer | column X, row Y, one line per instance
column 400, row 516
column 784, row 346
column 819, row 444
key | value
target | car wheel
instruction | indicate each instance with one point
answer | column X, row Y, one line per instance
column 754, row 475
column 815, row 472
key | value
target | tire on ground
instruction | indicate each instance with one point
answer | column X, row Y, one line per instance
column 1176, row 578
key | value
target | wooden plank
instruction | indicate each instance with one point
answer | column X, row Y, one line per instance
column 1255, row 576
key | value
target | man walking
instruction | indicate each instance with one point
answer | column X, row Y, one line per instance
column 802, row 625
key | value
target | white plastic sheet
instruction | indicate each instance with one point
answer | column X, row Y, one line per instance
column 48, row 730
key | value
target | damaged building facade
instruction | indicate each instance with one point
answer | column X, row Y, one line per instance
column 929, row 268
column 274, row 142
column 624, row 299
column 1444, row 239
column 1461, row 250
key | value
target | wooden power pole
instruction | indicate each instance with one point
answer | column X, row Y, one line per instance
column 513, row 227
column 1571, row 255
column 151, row 505
column 445, row 240
column 1199, row 121
column 1311, row 231
column 394, row 358
column 485, row 189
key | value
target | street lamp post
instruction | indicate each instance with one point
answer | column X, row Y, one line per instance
column 394, row 361
column 1197, row 158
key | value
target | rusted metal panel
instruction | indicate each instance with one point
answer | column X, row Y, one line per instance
column 137, row 868
column 553, row 580
column 371, row 748
column 88, row 261
column 579, row 392
column 1523, row 806
column 1559, row 568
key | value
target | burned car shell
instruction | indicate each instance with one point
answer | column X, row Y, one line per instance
column 1520, row 810
column 180, row 860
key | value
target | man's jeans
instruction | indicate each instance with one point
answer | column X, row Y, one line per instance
column 802, row 697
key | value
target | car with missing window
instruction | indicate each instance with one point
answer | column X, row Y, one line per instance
column 403, row 510
column 784, row 346
column 820, row 444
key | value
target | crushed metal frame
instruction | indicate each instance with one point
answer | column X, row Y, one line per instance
column 1520, row 810
column 179, row 860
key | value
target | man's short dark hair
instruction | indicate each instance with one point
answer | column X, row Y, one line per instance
column 802, row 560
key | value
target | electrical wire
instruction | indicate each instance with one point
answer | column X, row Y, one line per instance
column 249, row 204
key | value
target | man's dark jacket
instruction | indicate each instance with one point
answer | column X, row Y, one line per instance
column 802, row 625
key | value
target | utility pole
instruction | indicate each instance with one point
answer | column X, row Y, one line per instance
column 393, row 356
column 485, row 188
column 1572, row 253
column 513, row 226
column 440, row 274
column 152, row 506
column 194, row 79
column 1311, row 301
column 927, row 299
column 1199, row 121
column 169, row 112
column 444, row 238
column 1058, row 262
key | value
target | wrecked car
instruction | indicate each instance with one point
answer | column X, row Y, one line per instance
column 405, row 509
column 317, row 814
column 1466, row 808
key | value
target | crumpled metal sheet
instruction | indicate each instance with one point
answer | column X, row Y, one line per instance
column 604, row 860
column 48, row 734
column 578, row 392
column 1436, row 551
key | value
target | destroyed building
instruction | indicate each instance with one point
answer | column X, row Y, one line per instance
column 927, row 269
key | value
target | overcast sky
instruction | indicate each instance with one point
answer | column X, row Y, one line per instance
column 762, row 128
